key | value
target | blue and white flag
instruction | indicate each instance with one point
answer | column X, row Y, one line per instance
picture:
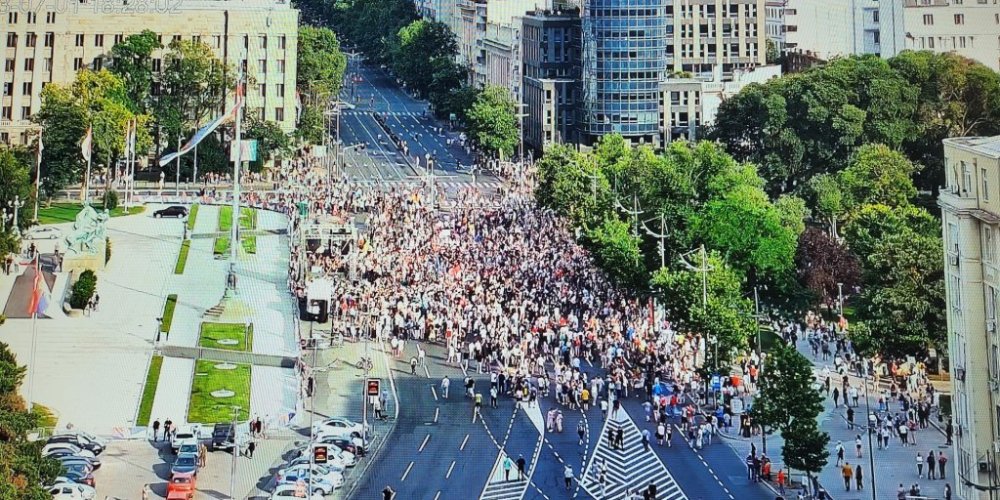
column 207, row 129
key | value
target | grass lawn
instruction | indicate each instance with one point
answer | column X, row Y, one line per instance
column 206, row 409
column 149, row 391
column 221, row 247
column 248, row 221
column 192, row 216
column 211, row 333
column 182, row 257
column 168, row 313
column 66, row 212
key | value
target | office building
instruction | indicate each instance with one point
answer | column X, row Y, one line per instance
column 970, row 28
column 825, row 29
column 970, row 206
column 551, row 45
column 45, row 47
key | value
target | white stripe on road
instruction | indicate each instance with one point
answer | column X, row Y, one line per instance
column 407, row 473
column 436, row 411
column 427, row 371
column 434, row 392
column 438, row 495
column 448, row 475
column 466, row 440
column 426, row 438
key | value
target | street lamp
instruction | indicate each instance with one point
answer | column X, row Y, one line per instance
column 236, row 451
column 16, row 204
column 840, row 298
column 159, row 329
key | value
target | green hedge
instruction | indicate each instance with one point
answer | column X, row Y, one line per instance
column 83, row 289
column 192, row 215
column 168, row 313
column 149, row 391
column 182, row 257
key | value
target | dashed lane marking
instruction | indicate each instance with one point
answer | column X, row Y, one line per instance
column 450, row 468
column 436, row 412
column 464, row 441
column 406, row 472
column 434, row 392
column 422, row 445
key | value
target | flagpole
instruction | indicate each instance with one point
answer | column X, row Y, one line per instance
column 34, row 337
column 38, row 174
column 86, row 184
column 238, row 144
column 177, row 186
column 126, row 201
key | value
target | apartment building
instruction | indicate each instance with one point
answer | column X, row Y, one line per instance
column 825, row 29
column 45, row 47
column 551, row 44
column 970, row 28
column 970, row 207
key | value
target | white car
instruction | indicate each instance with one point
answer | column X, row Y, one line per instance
column 43, row 233
column 74, row 449
column 338, row 426
column 184, row 433
column 333, row 463
column 319, row 472
column 289, row 491
column 72, row 491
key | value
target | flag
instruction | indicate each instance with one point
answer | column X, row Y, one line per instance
column 39, row 302
column 128, row 139
column 88, row 141
column 298, row 105
column 207, row 129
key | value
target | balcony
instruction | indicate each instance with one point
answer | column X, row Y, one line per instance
column 954, row 199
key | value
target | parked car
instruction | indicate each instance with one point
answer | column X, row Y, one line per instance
column 335, row 464
column 80, row 440
column 189, row 446
column 320, row 485
column 223, row 437
column 338, row 426
column 182, row 434
column 347, row 458
column 72, row 448
column 79, row 474
column 186, row 463
column 171, row 211
column 318, row 472
column 185, row 484
column 288, row 491
column 67, row 489
column 43, row 233
column 354, row 445
column 68, row 458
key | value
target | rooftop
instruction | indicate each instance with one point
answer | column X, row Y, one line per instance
column 985, row 146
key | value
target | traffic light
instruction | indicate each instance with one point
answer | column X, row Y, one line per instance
column 373, row 387
column 319, row 454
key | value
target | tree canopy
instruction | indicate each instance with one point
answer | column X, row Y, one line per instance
column 321, row 64
column 492, row 121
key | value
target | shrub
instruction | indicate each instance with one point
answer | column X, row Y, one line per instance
column 110, row 199
column 107, row 250
column 3, row 319
column 83, row 289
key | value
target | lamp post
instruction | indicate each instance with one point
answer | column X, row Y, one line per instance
column 236, row 453
column 871, row 430
column 840, row 298
column 159, row 329
column 16, row 204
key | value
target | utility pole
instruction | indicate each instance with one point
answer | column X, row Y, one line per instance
column 662, row 236
column 756, row 309
column 237, row 165
column 703, row 268
column 236, row 453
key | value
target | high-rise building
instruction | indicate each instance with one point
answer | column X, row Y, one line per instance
column 551, row 54
column 970, row 28
column 45, row 47
column 970, row 207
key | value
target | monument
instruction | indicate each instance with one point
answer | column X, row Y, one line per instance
column 86, row 244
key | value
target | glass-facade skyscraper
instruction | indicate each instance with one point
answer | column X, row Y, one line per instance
column 624, row 58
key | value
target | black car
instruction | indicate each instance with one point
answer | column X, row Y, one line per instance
column 352, row 445
column 75, row 439
column 171, row 211
column 223, row 436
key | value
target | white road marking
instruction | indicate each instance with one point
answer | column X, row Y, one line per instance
column 422, row 445
column 466, row 440
column 407, row 473
column 428, row 372
column 437, row 496
column 448, row 475
column 436, row 411
column 434, row 392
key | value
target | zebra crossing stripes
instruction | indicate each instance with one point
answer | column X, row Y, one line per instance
column 505, row 490
column 633, row 468
column 488, row 184
column 355, row 112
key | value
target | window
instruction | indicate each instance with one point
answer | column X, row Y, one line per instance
column 48, row 64
column 281, row 39
column 157, row 65
column 25, row 112
column 98, row 40
column 281, row 65
column 966, row 178
column 262, row 65
column 12, row 39
column 196, row 38
column 988, row 243
column 8, row 88
column 956, row 295
column 986, row 183
column 246, row 41
column 8, row 113
column 953, row 237
column 50, row 39
column 875, row 18
column 50, row 17
column 26, row 88
column 930, row 42
column 98, row 64
column 30, row 39
column 79, row 40
column 279, row 114
column 928, row 19
column 176, row 38
column 961, row 42
column 12, row 17
column 32, row 17
column 263, row 90
column 218, row 41
column 281, row 90
column 29, row 64
column 8, row 65
column 959, row 18
column 119, row 38
column 5, row 138
column 77, row 64
column 262, row 40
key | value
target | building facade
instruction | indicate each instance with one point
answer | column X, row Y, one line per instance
column 970, row 28
column 46, row 47
column 970, row 207
column 825, row 29
column 551, row 53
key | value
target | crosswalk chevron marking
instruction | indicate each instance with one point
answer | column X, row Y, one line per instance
column 505, row 490
column 628, row 469
column 483, row 184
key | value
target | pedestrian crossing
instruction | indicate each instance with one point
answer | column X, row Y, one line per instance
column 357, row 112
column 505, row 490
column 441, row 183
column 631, row 469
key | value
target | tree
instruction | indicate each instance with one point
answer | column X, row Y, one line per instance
column 788, row 403
column 64, row 123
column 792, row 212
column 870, row 224
column 132, row 63
column 312, row 125
column 571, row 184
column 821, row 262
column 726, row 316
column 23, row 470
column 321, row 64
column 746, row 228
column 15, row 182
column 193, row 83
column 773, row 55
column 878, row 175
column 416, row 52
column 371, row 25
column 492, row 121
column 828, row 199
column 272, row 142
column 616, row 250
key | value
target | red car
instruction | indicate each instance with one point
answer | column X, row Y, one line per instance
column 181, row 487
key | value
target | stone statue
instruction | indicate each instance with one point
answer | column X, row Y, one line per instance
column 88, row 232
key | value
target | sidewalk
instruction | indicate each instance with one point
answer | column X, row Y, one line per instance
column 893, row 466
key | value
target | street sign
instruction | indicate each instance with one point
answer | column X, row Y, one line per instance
column 716, row 383
column 372, row 388
column 320, row 454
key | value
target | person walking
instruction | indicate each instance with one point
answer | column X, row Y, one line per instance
column 930, row 465
column 250, row 448
column 840, row 451
column 445, row 383
column 508, row 464
column 493, row 396
column 847, row 471
column 156, row 430
column 941, row 460
column 478, row 406
column 645, row 440
column 920, row 465
column 857, row 445
column 620, row 438
column 521, row 463
column 781, row 480
column 202, row 454
column 581, row 430
column 859, row 478
column 568, row 476
column 661, row 431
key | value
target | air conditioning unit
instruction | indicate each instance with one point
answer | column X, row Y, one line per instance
column 960, row 374
column 953, row 260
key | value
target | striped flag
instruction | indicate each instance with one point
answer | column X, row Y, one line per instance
column 88, row 142
column 207, row 129
column 39, row 301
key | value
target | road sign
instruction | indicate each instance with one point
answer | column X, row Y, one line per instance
column 372, row 388
column 716, row 383
column 320, row 454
